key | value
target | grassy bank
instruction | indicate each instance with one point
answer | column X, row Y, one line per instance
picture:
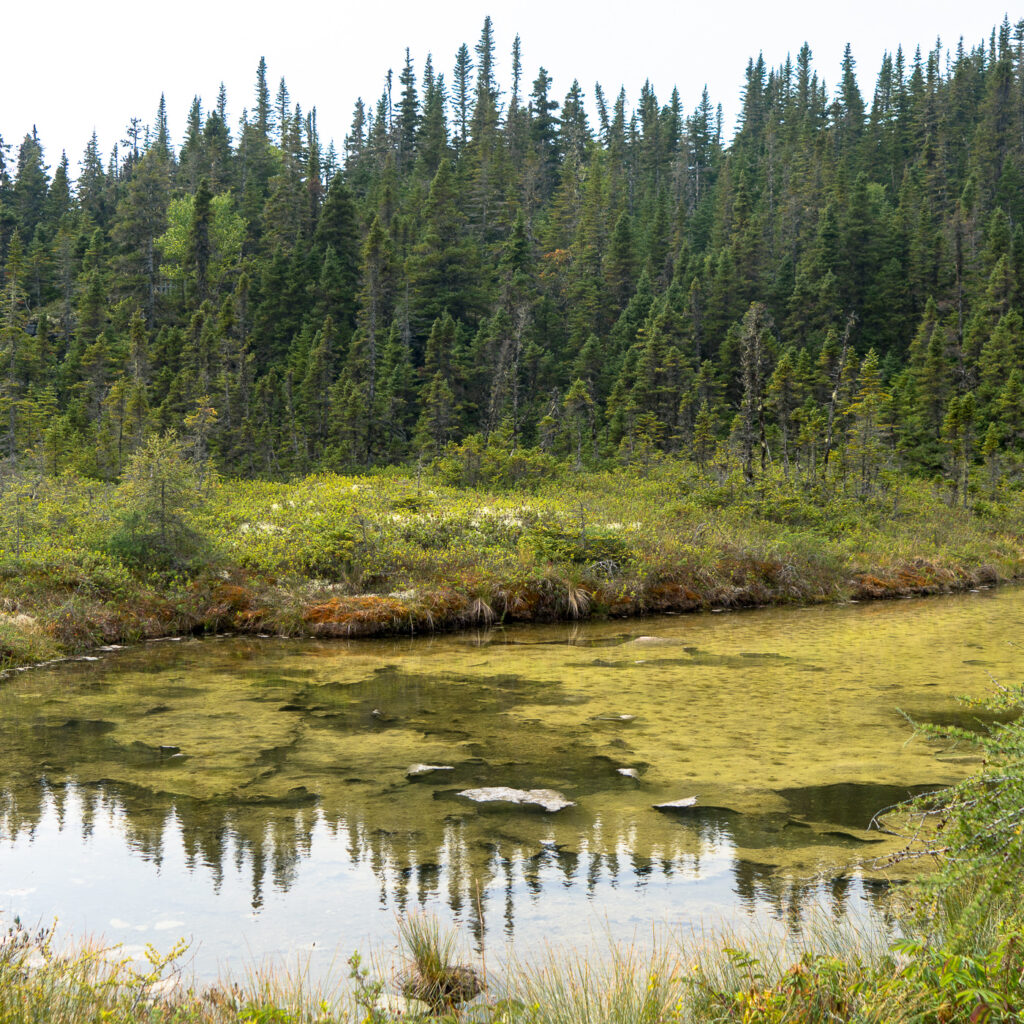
column 84, row 564
column 828, row 974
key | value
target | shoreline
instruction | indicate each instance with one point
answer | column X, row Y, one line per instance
column 375, row 616
column 349, row 557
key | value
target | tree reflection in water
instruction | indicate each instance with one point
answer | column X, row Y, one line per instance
column 277, row 770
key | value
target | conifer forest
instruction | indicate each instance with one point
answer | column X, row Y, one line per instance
column 484, row 262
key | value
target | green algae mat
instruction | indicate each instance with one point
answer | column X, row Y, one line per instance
column 272, row 796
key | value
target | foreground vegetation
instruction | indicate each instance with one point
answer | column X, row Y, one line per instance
column 482, row 536
column 959, row 958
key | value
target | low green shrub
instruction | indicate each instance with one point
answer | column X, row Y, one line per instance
column 559, row 544
column 478, row 463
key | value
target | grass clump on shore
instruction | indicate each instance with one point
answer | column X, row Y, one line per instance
column 171, row 549
column 836, row 974
column 433, row 975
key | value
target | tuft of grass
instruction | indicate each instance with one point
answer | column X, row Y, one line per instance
column 432, row 973
column 22, row 642
column 630, row 988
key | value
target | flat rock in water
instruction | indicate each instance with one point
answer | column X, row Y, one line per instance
column 677, row 805
column 549, row 799
column 415, row 770
column 960, row 758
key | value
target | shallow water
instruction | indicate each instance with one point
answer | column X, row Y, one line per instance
column 252, row 794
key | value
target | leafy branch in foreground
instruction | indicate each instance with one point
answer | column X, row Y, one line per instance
column 974, row 829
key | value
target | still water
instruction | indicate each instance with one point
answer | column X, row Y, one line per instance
column 252, row 795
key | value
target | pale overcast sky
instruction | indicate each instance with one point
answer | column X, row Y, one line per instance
column 70, row 67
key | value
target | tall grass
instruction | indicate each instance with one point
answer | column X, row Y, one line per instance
column 699, row 976
column 95, row 984
column 628, row 986
column 831, row 971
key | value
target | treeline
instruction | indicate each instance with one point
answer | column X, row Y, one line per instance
column 838, row 286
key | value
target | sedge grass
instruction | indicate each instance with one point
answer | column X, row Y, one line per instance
column 828, row 972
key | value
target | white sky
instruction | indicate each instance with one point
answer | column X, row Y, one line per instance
column 69, row 67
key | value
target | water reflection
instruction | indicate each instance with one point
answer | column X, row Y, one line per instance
column 258, row 791
column 477, row 883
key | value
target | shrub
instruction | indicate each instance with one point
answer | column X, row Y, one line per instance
column 158, row 491
column 553, row 542
column 475, row 463
column 975, row 829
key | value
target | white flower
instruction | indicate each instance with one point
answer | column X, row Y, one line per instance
column 17, row 619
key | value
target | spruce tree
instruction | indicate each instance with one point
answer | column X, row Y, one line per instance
column 462, row 99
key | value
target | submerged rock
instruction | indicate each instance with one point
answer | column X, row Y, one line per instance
column 677, row 805
column 551, row 800
column 862, row 837
column 960, row 758
column 163, row 988
column 416, row 770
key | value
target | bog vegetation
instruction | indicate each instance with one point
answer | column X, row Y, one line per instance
column 169, row 550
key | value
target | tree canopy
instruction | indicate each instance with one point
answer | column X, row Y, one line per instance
column 841, row 280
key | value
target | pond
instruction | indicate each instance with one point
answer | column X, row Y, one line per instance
column 254, row 795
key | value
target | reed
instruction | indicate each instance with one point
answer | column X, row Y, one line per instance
column 828, row 972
